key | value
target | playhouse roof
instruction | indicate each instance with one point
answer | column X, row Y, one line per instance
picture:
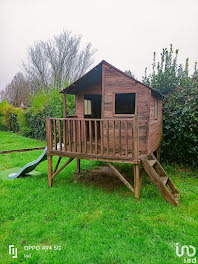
column 95, row 76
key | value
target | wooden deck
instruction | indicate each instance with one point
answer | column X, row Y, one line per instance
column 115, row 140
column 109, row 140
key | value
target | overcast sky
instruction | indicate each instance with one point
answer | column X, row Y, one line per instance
column 124, row 32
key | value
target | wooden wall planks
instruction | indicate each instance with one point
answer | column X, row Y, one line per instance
column 150, row 129
column 155, row 126
column 116, row 82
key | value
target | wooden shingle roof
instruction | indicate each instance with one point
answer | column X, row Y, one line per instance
column 95, row 76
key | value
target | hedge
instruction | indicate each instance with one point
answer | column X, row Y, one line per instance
column 32, row 121
column 8, row 117
column 180, row 126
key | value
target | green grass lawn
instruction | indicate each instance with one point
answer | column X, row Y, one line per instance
column 10, row 141
column 90, row 223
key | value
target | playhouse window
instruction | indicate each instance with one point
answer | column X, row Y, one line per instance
column 87, row 107
column 156, row 108
column 125, row 103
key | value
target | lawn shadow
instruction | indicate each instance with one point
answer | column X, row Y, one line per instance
column 103, row 177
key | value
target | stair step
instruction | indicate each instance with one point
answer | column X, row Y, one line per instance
column 164, row 179
column 176, row 196
column 159, row 177
column 152, row 162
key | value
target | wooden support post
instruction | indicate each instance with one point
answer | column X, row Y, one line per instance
column 137, row 180
column 49, row 158
column 78, row 166
column 64, row 105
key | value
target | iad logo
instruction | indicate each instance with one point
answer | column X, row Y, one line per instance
column 185, row 251
column 12, row 251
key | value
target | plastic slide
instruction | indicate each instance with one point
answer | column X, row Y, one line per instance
column 29, row 167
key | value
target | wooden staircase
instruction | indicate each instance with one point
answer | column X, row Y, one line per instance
column 159, row 177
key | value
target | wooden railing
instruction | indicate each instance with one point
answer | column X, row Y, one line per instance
column 96, row 137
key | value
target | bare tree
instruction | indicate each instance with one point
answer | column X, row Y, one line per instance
column 36, row 67
column 57, row 60
column 18, row 91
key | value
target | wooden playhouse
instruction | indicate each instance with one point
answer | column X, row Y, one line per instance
column 118, row 119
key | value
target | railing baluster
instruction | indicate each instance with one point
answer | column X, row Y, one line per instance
column 69, row 132
column 114, row 138
column 51, row 121
column 96, row 138
column 132, row 142
column 85, row 137
column 126, row 137
column 101, row 137
column 60, row 135
column 64, row 136
column 90, row 135
column 75, row 138
column 67, row 135
column 107, row 130
column 80, row 139
column 55, row 139
column 136, row 138
column 120, row 128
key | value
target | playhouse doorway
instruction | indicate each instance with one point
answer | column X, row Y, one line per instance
column 92, row 106
column 92, row 109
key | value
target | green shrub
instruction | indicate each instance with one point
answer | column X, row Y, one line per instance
column 9, row 116
column 24, row 126
column 37, row 123
column 46, row 105
column 2, row 126
column 180, row 108
column 32, row 121
column 180, row 129
column 40, row 101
